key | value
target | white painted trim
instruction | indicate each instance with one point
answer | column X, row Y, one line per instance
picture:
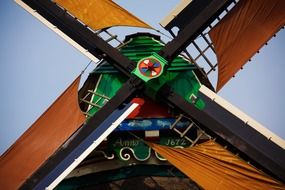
column 92, row 147
column 57, row 31
column 244, row 117
column 174, row 12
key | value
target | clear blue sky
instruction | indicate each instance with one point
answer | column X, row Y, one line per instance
column 36, row 66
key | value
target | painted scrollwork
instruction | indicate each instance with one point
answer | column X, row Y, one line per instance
column 138, row 154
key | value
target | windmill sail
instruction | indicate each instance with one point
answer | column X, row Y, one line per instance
column 214, row 167
column 42, row 139
column 101, row 14
column 242, row 32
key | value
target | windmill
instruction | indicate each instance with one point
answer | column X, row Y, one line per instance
column 149, row 77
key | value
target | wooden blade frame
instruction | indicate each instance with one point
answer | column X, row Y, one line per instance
column 59, row 162
column 217, row 120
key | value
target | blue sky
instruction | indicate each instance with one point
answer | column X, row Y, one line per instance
column 36, row 66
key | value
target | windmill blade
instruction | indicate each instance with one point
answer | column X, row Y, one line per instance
column 233, row 32
column 237, row 131
column 76, row 33
column 191, row 17
column 56, row 30
column 84, row 141
column 199, row 14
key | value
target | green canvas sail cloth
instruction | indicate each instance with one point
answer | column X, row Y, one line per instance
column 42, row 139
column 99, row 14
column 215, row 168
column 242, row 32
